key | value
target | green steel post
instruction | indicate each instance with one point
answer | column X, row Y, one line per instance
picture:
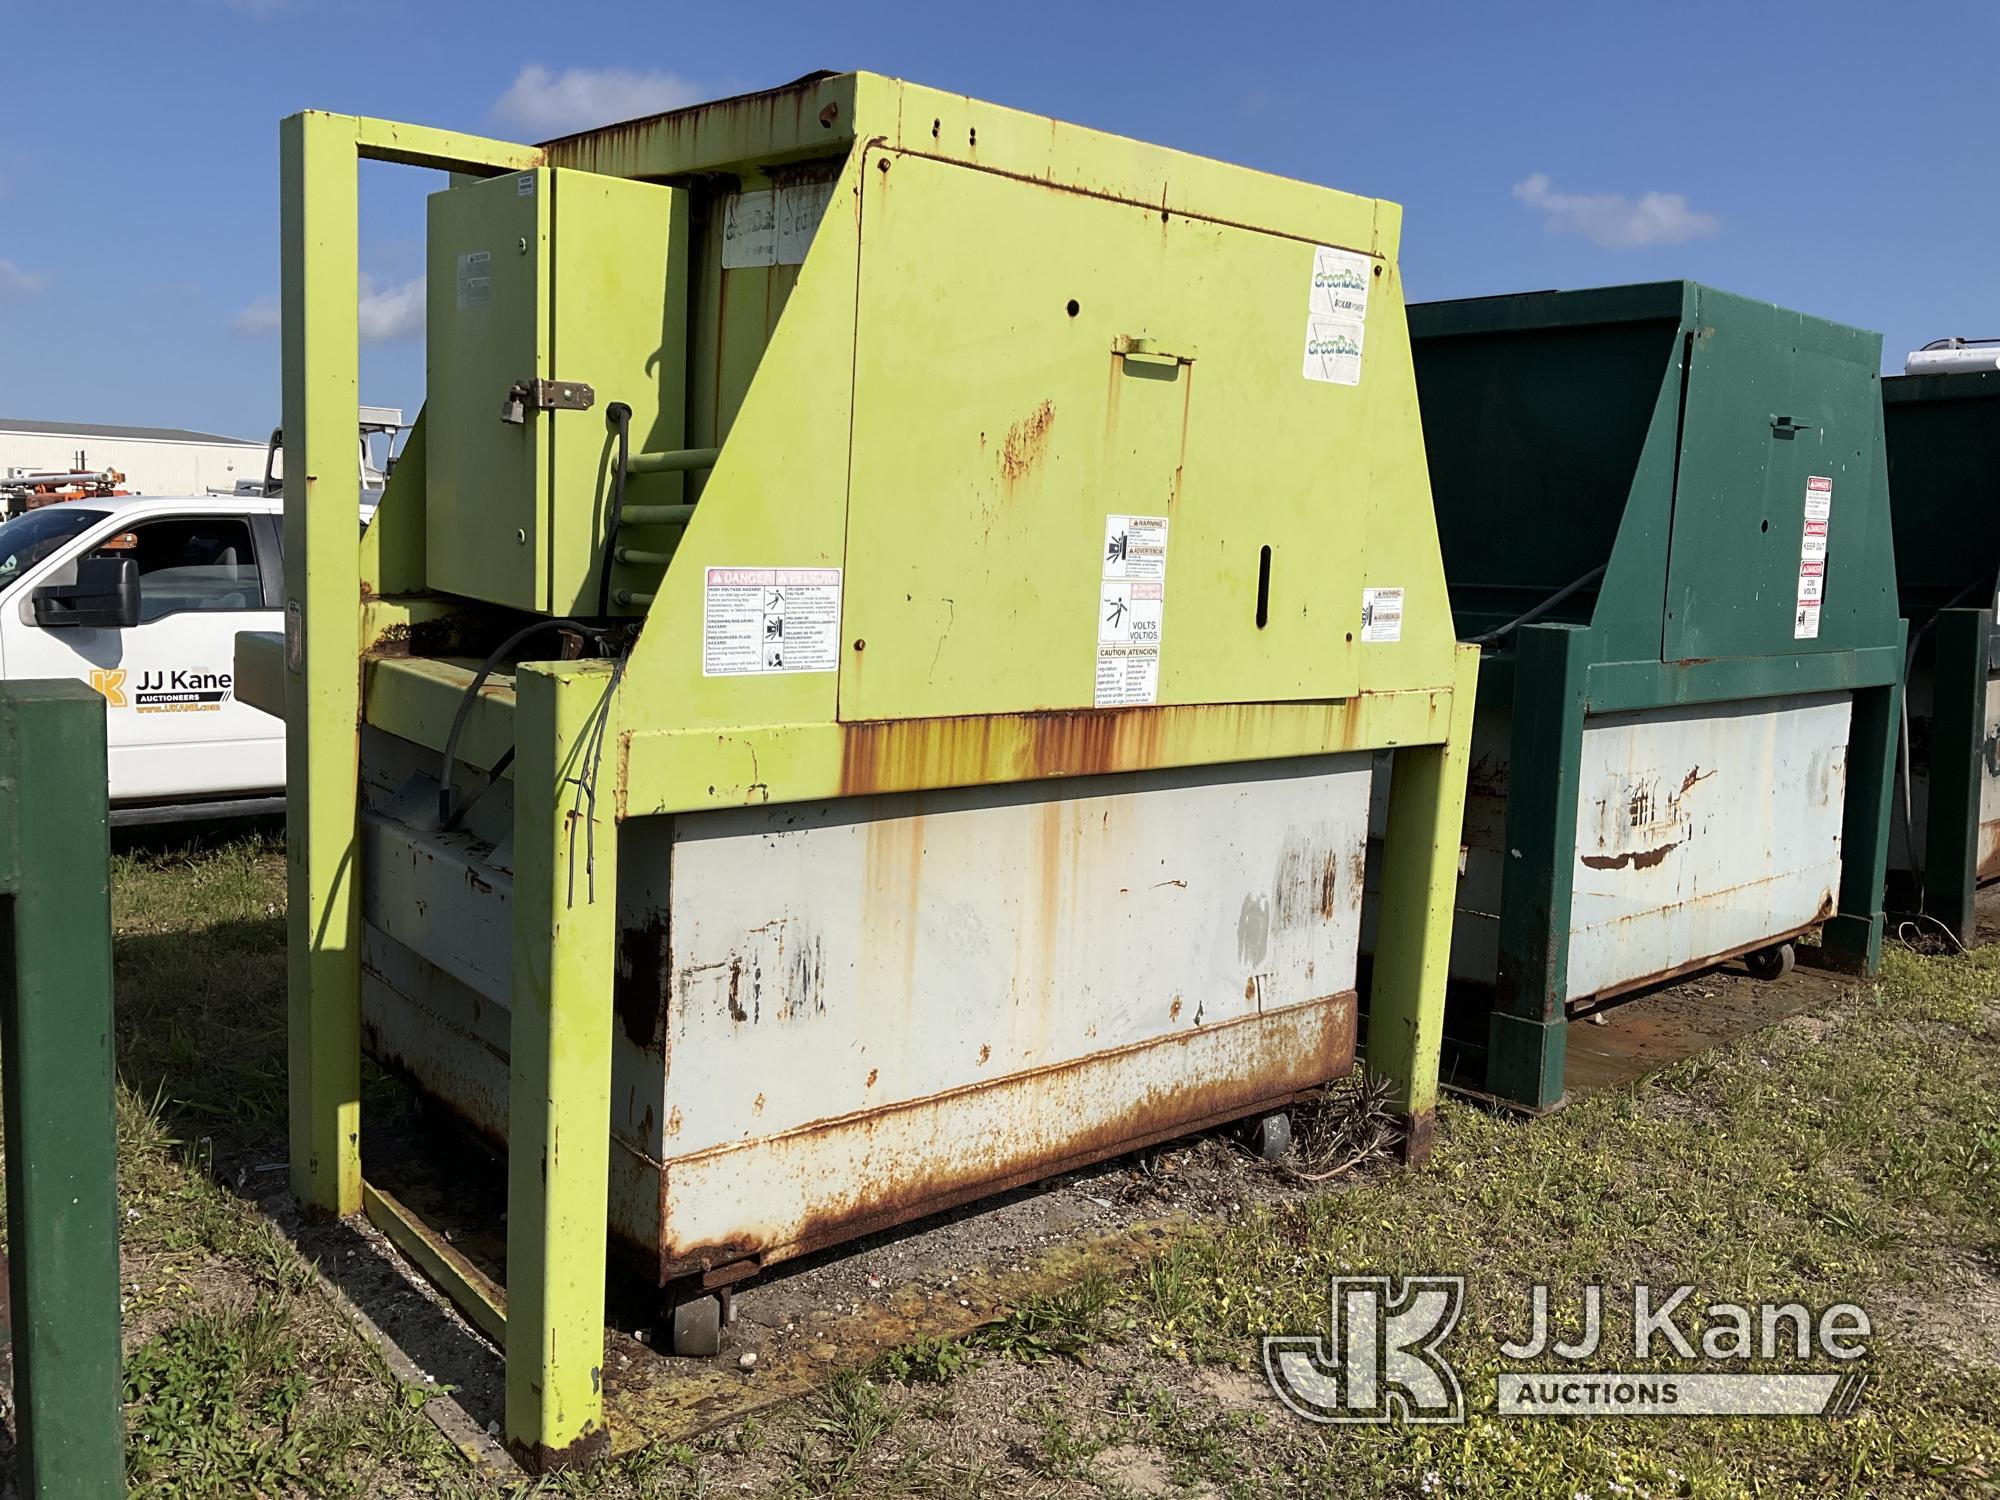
column 1530, row 1027
column 1851, row 941
column 1961, row 662
column 559, row 1079
column 1419, row 876
column 318, row 224
column 61, row 1141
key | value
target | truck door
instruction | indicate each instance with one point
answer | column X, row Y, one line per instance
column 175, row 726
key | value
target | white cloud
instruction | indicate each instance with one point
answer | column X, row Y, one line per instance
column 1613, row 220
column 545, row 104
column 16, row 281
column 388, row 311
column 258, row 319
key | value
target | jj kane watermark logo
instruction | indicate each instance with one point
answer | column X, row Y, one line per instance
column 1380, row 1360
column 1382, row 1357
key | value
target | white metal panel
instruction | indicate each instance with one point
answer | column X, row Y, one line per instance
column 1703, row 830
column 1053, row 958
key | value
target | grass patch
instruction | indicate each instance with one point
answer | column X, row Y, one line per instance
column 241, row 1376
column 1852, row 1155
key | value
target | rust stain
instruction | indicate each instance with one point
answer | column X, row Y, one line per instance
column 873, row 1074
column 679, row 133
column 1694, row 778
column 1027, row 441
column 757, row 1105
column 985, row 1052
column 736, row 1010
column 674, row 1121
column 639, row 984
column 1638, row 859
column 1639, row 809
column 1709, row 961
column 897, row 755
column 1174, row 1010
column 1274, row 1066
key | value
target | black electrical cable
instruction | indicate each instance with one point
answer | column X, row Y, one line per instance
column 1492, row 637
column 493, row 659
column 621, row 416
column 493, row 774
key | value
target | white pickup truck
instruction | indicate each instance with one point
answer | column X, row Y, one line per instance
column 142, row 597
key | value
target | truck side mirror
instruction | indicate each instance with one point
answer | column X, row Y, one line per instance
column 105, row 595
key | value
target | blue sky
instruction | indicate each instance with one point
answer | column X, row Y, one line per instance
column 1839, row 158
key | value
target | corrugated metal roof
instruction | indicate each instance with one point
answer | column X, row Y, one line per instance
column 103, row 430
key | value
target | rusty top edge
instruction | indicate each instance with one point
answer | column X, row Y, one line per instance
column 800, row 85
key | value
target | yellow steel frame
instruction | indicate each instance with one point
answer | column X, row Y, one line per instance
column 556, row 1223
column 587, row 759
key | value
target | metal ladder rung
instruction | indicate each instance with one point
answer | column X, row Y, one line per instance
column 678, row 461
column 655, row 515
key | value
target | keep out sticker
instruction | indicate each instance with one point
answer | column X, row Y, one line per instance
column 1812, row 558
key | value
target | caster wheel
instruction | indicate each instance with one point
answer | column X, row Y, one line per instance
column 697, row 1327
column 1774, row 962
column 1271, row 1136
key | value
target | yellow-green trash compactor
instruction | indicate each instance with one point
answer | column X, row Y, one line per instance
column 861, row 691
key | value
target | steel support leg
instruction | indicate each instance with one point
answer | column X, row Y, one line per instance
column 1852, row 940
column 1961, row 663
column 1420, row 852
column 55, row 1036
column 1530, row 1027
column 559, row 1105
column 318, row 221
column 319, row 233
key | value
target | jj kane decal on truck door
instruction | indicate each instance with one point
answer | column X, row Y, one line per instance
column 173, row 690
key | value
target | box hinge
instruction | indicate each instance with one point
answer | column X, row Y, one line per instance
column 545, row 395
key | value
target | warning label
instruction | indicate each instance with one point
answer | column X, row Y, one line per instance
column 1381, row 615
column 1812, row 558
column 1336, row 313
column 1131, row 609
column 770, row 620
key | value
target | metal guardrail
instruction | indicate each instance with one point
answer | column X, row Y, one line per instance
column 61, row 1133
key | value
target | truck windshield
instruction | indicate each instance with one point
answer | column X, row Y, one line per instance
column 26, row 540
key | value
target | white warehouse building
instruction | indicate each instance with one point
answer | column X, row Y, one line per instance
column 154, row 460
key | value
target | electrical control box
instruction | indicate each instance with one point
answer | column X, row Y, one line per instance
column 552, row 295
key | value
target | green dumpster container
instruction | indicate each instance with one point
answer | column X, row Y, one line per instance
column 1944, row 470
column 1664, row 515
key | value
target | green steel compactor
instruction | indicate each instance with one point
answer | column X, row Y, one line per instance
column 1665, row 523
column 1944, row 474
